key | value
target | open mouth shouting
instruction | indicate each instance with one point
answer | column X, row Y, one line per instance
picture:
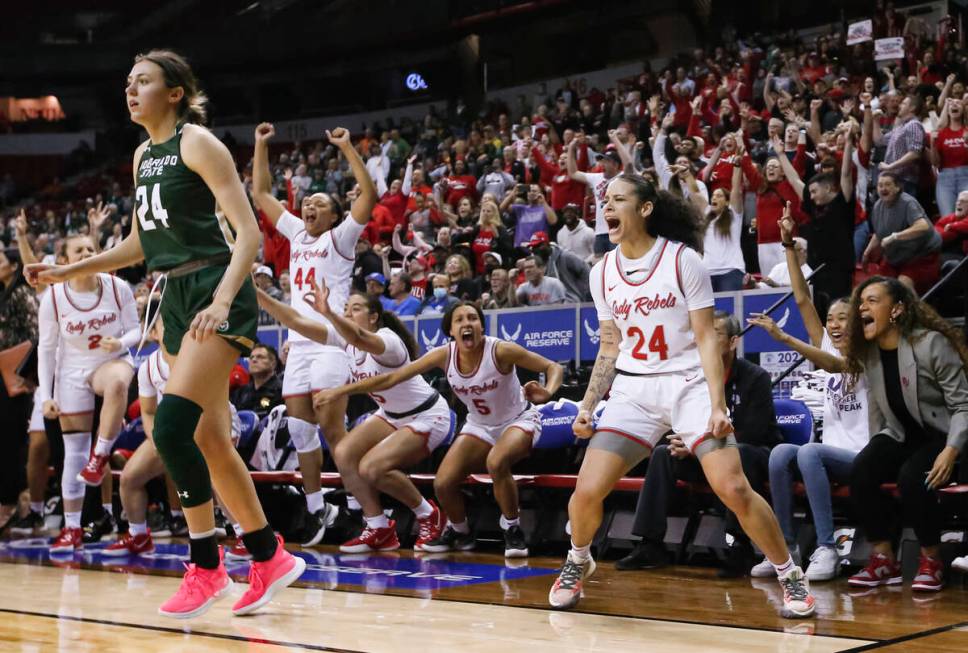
column 467, row 336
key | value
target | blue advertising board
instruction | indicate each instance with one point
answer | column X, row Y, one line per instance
column 550, row 333
column 787, row 317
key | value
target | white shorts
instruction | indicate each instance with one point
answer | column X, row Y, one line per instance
column 296, row 381
column 330, row 368
column 37, row 415
column 644, row 408
column 433, row 424
column 529, row 421
column 72, row 386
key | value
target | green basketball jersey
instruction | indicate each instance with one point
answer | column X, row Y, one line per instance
column 176, row 214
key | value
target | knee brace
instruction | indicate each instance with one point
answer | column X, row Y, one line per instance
column 303, row 435
column 174, row 437
column 77, row 449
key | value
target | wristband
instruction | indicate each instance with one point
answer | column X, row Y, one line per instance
column 788, row 245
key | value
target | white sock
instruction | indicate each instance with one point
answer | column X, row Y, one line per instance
column 137, row 529
column 314, row 501
column 38, row 507
column 423, row 510
column 508, row 523
column 461, row 527
column 581, row 553
column 785, row 567
column 72, row 519
column 177, row 513
column 352, row 503
column 380, row 521
column 103, row 447
column 108, row 508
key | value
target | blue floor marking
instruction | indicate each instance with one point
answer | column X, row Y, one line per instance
column 373, row 572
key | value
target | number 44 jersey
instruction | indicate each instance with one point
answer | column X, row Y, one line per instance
column 176, row 211
column 649, row 300
column 326, row 259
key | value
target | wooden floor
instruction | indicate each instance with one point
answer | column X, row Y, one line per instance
column 469, row 603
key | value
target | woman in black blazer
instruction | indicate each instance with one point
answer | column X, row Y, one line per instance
column 914, row 362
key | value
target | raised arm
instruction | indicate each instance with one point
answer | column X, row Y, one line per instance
column 573, row 164
column 847, row 165
column 736, row 190
column 788, row 169
column 363, row 205
column 801, row 291
column 813, row 127
column 262, row 176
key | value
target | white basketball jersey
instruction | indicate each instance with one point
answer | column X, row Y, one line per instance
column 651, row 314
column 492, row 397
column 153, row 375
column 400, row 398
column 328, row 258
column 84, row 319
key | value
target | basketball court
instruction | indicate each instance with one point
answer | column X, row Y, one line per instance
column 450, row 602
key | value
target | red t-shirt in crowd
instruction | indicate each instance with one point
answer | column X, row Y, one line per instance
column 564, row 189
column 424, row 190
column 459, row 187
column 952, row 147
column 480, row 246
column 380, row 227
column 418, row 288
column 952, row 228
column 396, row 203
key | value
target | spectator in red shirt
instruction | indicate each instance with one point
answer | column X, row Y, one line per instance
column 773, row 191
column 458, row 184
column 418, row 187
column 397, row 196
column 949, row 152
column 380, row 227
column 564, row 189
column 954, row 228
column 275, row 246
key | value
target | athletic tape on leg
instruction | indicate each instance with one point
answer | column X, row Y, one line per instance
column 174, row 436
column 303, row 435
column 77, row 449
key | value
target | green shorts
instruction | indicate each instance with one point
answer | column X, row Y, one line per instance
column 187, row 295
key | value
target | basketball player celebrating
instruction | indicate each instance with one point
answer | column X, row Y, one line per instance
column 86, row 325
column 655, row 306
column 412, row 421
column 502, row 423
column 319, row 249
column 182, row 173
